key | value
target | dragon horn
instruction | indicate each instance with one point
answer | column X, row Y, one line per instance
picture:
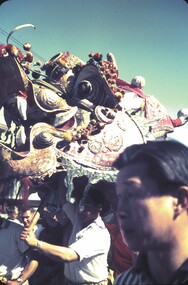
column 18, row 28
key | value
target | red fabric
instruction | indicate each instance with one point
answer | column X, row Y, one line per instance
column 176, row 122
column 127, row 86
column 122, row 257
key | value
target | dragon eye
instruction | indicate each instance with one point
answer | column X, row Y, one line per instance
column 4, row 53
column 84, row 88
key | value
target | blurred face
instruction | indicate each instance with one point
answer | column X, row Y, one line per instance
column 145, row 218
column 14, row 214
column 27, row 217
column 48, row 216
column 88, row 212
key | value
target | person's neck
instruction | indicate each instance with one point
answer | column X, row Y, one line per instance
column 163, row 264
column 87, row 223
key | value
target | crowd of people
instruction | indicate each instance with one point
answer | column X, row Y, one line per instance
column 146, row 242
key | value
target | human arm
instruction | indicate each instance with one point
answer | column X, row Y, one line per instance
column 58, row 253
column 26, row 273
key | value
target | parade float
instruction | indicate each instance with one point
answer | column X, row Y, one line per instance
column 67, row 119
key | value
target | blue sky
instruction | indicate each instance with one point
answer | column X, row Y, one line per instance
column 148, row 37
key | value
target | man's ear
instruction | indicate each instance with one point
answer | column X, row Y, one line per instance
column 182, row 200
column 183, row 196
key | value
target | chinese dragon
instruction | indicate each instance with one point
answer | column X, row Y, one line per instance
column 69, row 117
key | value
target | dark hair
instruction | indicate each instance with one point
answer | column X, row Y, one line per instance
column 12, row 209
column 168, row 160
column 27, row 208
column 98, row 194
column 95, row 196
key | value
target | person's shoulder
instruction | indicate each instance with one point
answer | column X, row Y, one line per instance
column 124, row 277
column 98, row 223
column 11, row 228
column 120, row 279
column 15, row 221
column 15, row 226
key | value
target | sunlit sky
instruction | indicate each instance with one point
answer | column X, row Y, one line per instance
column 147, row 37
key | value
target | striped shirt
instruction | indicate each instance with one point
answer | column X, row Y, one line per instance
column 139, row 274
